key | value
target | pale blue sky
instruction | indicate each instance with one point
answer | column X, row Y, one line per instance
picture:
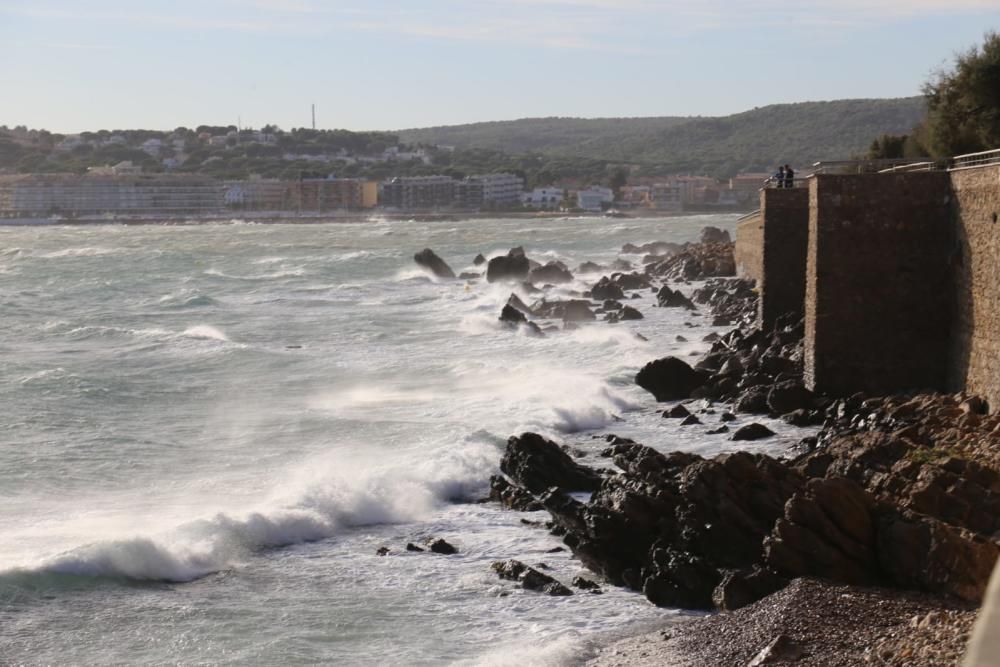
column 71, row 65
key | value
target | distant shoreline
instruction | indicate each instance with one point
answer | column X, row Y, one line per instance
column 274, row 217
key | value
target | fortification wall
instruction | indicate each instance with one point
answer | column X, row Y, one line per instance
column 785, row 222
column 879, row 296
column 975, row 362
column 749, row 248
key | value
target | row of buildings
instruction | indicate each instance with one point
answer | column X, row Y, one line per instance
column 124, row 189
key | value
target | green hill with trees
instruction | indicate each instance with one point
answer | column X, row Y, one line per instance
column 754, row 140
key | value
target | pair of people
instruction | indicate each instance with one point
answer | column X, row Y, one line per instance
column 784, row 178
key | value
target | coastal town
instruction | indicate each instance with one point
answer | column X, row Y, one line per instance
column 154, row 182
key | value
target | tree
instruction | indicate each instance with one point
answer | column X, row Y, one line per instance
column 618, row 180
column 964, row 103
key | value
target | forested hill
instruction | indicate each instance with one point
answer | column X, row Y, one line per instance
column 800, row 133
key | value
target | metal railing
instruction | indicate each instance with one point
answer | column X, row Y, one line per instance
column 864, row 166
column 970, row 160
column 928, row 165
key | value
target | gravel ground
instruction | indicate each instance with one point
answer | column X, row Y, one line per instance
column 818, row 624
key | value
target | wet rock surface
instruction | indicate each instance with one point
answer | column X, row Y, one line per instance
column 429, row 260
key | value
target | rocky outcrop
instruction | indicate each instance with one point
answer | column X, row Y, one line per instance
column 427, row 259
column 537, row 464
column 514, row 266
column 714, row 235
column 659, row 248
column 696, row 262
column 668, row 298
column 554, row 273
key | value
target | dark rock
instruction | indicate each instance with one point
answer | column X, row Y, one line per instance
column 430, row 261
column 828, row 530
column 677, row 412
column 382, row 551
column 690, row 420
column 585, row 584
column 669, row 379
column 630, row 313
column 479, row 260
column 727, row 417
column 574, row 310
column 516, row 302
column 678, row 579
column 589, row 267
column 512, row 266
column 530, row 578
column 469, row 275
column 439, row 546
column 788, row 396
column 512, row 496
column 413, row 547
column 710, row 338
column 752, row 431
column 606, row 290
column 668, row 298
column 754, row 401
column 555, row 550
column 612, row 305
column 553, row 272
column 538, row 464
column 718, row 431
column 680, row 339
column 512, row 315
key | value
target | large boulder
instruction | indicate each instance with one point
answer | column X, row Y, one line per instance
column 669, row 379
column 513, row 266
column 605, row 289
column 429, row 260
column 554, row 273
column 537, row 464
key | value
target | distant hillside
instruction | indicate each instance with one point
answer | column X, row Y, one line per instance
column 753, row 140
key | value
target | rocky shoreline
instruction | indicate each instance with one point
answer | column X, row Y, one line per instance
column 871, row 544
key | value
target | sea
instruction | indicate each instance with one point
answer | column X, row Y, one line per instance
column 209, row 430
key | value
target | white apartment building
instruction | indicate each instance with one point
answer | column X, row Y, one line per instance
column 500, row 189
column 594, row 198
column 543, row 198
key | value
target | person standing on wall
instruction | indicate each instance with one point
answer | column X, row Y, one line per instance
column 789, row 177
column 779, row 178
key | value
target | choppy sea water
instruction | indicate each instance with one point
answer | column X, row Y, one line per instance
column 209, row 430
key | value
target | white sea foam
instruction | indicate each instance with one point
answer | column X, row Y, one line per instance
column 205, row 332
column 317, row 499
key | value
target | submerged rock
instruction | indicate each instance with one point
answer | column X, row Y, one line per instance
column 530, row 578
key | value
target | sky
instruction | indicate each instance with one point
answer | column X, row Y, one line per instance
column 73, row 65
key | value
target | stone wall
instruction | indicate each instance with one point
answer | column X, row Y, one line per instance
column 975, row 363
column 879, row 296
column 749, row 248
column 785, row 223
